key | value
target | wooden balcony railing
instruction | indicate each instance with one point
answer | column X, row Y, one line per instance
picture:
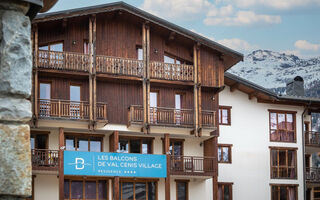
column 313, row 174
column 63, row 60
column 208, row 118
column 193, row 165
column 171, row 116
column 44, row 159
column 101, row 111
column 312, row 138
column 167, row 71
column 135, row 114
column 119, row 66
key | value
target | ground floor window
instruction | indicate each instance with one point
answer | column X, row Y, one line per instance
column 288, row 192
column 85, row 189
column 138, row 190
column 225, row 191
column 182, row 189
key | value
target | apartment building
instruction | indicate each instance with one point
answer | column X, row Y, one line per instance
column 266, row 141
column 125, row 106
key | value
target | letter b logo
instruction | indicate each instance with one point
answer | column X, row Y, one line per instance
column 79, row 163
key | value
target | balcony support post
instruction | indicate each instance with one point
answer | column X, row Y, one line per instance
column 199, row 92
column 36, row 57
column 90, row 75
column 195, row 91
column 94, row 30
column 61, row 172
column 146, row 76
column 166, row 151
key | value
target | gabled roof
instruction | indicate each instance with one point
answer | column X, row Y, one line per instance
column 264, row 95
column 147, row 17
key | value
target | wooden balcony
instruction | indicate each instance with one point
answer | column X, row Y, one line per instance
column 193, row 165
column 313, row 175
column 171, row 116
column 208, row 118
column 63, row 60
column 65, row 109
column 312, row 138
column 44, row 159
column 119, row 66
column 174, row 72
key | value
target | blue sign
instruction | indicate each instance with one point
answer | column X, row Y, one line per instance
column 114, row 164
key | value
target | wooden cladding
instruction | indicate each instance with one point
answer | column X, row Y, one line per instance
column 44, row 159
column 78, row 110
column 168, row 71
column 170, row 116
column 192, row 165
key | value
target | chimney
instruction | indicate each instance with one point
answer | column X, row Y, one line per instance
column 295, row 87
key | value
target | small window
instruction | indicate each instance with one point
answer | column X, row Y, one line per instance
column 135, row 145
column 139, row 53
column 182, row 190
column 225, row 115
column 224, row 153
column 171, row 60
column 224, row 191
column 282, row 126
column 52, row 47
column 279, row 192
column 45, row 91
column 85, row 47
column 283, row 163
column 83, row 143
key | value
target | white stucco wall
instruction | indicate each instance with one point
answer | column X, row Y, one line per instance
column 249, row 135
column 46, row 187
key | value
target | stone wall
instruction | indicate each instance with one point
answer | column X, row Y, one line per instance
column 15, row 106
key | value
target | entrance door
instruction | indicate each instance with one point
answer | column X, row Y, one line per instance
column 75, row 101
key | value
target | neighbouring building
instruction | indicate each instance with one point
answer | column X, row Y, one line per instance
column 266, row 141
column 115, row 79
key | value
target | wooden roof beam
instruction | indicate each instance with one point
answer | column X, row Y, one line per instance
column 234, row 86
column 253, row 94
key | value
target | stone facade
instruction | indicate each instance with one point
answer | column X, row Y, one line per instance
column 15, row 108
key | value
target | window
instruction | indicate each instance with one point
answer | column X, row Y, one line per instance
column 139, row 53
column 178, row 114
column 44, row 102
column 52, row 47
column 182, row 189
column 288, row 192
column 136, row 190
column 225, row 115
column 45, row 91
column 85, row 47
column 171, row 60
column 224, row 153
column 39, row 141
column 283, row 163
column 282, row 126
column 153, row 107
column 176, row 147
column 75, row 96
column 83, row 143
column 135, row 145
column 225, row 191
column 86, row 189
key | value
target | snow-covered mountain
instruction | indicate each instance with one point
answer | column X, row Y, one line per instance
column 272, row 70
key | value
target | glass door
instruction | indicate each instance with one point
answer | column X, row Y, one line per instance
column 153, row 107
column 75, row 101
column 44, row 102
column 177, row 113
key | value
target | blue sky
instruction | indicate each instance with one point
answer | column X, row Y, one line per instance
column 289, row 26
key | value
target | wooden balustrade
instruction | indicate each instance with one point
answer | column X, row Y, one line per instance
column 119, row 66
column 56, row 108
column 135, row 114
column 313, row 174
column 312, row 138
column 192, row 165
column 208, row 118
column 167, row 71
column 101, row 111
column 44, row 159
column 63, row 60
column 171, row 116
